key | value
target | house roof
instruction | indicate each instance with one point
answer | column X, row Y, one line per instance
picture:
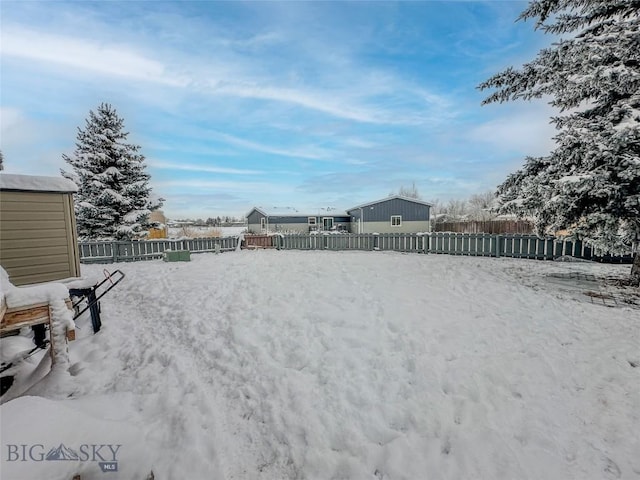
column 292, row 212
column 393, row 197
column 35, row 183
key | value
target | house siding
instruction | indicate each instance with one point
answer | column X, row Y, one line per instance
column 406, row 227
column 382, row 211
column 376, row 217
column 285, row 225
column 290, row 223
column 38, row 241
column 253, row 221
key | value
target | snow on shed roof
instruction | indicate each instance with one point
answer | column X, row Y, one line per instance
column 393, row 197
column 36, row 183
column 292, row 212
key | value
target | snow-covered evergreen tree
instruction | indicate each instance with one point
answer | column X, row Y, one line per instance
column 1, row 161
column 590, row 183
column 114, row 196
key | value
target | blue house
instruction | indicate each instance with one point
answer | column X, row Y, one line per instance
column 289, row 220
column 394, row 214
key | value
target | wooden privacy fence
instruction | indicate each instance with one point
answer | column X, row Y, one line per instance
column 473, row 244
column 258, row 241
column 128, row 251
column 496, row 227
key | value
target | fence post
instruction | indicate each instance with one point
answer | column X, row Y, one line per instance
column 114, row 251
column 498, row 245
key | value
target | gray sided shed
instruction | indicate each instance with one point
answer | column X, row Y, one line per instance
column 254, row 218
column 391, row 215
column 262, row 221
column 38, row 239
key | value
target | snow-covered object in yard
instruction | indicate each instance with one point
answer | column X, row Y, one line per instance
column 34, row 183
column 55, row 295
column 361, row 365
column 30, row 295
column 82, row 282
column 5, row 283
column 55, row 383
column 23, row 296
column 61, row 322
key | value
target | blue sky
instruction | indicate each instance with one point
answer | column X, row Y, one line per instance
column 274, row 104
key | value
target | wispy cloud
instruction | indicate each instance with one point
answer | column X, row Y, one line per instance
column 11, row 117
column 125, row 61
column 359, row 143
column 202, row 168
column 220, row 186
column 309, row 151
column 84, row 54
column 330, row 102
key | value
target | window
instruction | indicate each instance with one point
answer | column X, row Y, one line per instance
column 396, row 220
column 263, row 223
column 311, row 220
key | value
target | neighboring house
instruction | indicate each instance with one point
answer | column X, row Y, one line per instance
column 288, row 220
column 394, row 214
column 38, row 239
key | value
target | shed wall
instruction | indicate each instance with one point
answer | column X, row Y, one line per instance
column 253, row 221
column 38, row 241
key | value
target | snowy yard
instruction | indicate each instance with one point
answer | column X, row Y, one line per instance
column 351, row 365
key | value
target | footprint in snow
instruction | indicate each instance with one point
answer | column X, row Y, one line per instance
column 446, row 447
column 611, row 468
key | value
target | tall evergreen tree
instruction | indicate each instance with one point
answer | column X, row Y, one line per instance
column 590, row 183
column 114, row 196
column 1, row 161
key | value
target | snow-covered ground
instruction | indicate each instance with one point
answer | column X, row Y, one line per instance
column 352, row 365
